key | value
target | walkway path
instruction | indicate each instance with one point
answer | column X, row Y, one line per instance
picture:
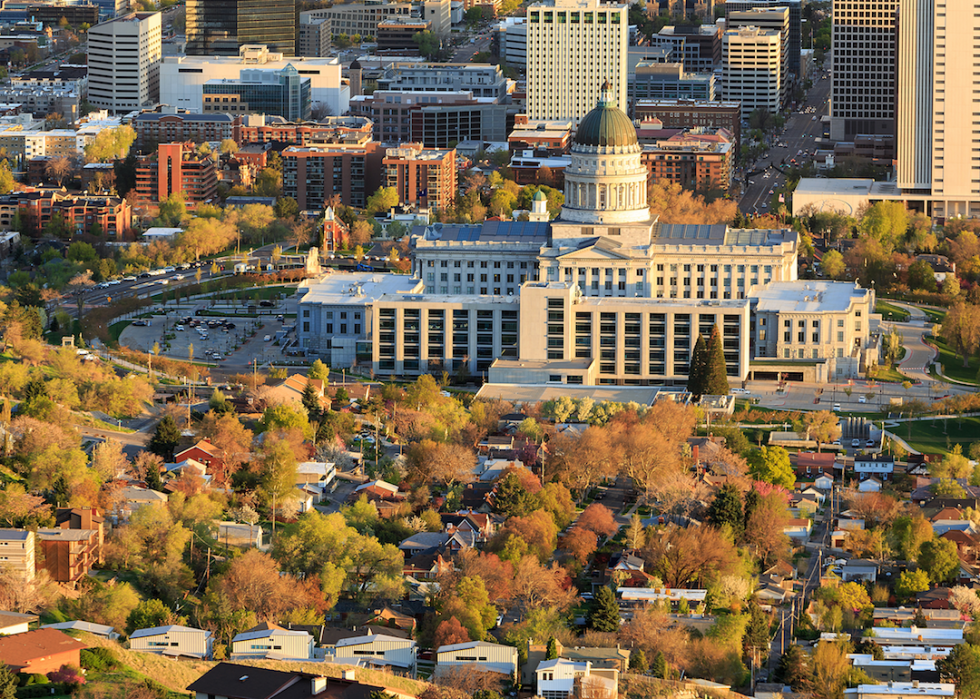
column 918, row 355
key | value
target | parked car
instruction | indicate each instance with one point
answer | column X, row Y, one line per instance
column 836, row 407
column 855, row 443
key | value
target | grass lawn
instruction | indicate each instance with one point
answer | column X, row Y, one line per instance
column 952, row 363
column 264, row 293
column 928, row 437
column 934, row 316
column 890, row 373
column 890, row 312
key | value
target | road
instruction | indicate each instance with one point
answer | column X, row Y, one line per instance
column 466, row 52
column 918, row 355
column 799, row 134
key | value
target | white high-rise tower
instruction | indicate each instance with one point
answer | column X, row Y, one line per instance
column 572, row 47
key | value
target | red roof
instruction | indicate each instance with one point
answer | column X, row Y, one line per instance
column 20, row 650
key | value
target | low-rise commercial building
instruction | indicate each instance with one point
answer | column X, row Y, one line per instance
column 667, row 81
column 282, row 93
column 261, row 128
column 356, row 18
column 399, row 33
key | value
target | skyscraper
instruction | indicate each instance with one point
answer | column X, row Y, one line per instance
column 572, row 47
column 124, row 62
column 938, row 112
column 862, row 98
column 752, row 68
column 220, row 27
column 774, row 18
column 795, row 24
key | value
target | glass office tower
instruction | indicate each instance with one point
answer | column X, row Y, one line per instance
column 220, row 27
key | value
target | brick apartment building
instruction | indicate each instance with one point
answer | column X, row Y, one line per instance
column 176, row 167
column 154, row 128
column 113, row 215
column 425, row 177
column 313, row 175
column 692, row 114
column 700, row 161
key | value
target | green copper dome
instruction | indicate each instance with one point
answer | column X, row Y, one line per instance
column 606, row 126
column 539, row 196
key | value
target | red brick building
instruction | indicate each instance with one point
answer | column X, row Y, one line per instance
column 421, row 176
column 40, row 652
column 153, row 128
column 177, row 167
column 700, row 161
column 80, row 212
column 259, row 128
column 314, row 175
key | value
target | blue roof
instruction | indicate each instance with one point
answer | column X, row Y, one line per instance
column 495, row 231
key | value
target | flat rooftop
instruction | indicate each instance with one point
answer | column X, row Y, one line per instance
column 835, row 186
column 808, row 296
column 357, row 289
column 534, row 393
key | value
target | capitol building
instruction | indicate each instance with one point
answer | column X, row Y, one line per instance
column 602, row 295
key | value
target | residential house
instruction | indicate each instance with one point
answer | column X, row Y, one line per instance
column 187, row 465
column 491, row 470
column 88, row 627
column 859, row 570
column 811, row 465
column 274, row 642
column 174, row 641
column 823, row 482
column 204, row 453
column 967, row 544
column 426, row 566
column 489, row 657
column 870, row 485
column 658, row 594
column 798, row 530
column 941, row 526
column 132, row 497
column 400, row 654
column 17, row 551
column 919, row 637
column 82, row 518
column 391, row 619
column 896, row 690
column 40, row 652
column 563, row 679
column 601, row 658
column 804, row 503
column 12, row 622
column 316, row 478
column 497, row 442
column 303, row 499
column 893, row 669
column 815, row 493
column 239, row 534
column 902, row 616
column 935, row 515
column 291, row 389
column 483, row 524
column 936, row 598
column 69, row 554
column 232, row 681
column 376, row 490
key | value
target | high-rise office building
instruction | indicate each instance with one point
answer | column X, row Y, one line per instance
column 221, row 27
column 572, row 47
column 862, row 98
column 937, row 114
column 769, row 18
column 795, row 23
column 752, row 68
column 124, row 62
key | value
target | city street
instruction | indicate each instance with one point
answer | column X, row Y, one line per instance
column 799, row 134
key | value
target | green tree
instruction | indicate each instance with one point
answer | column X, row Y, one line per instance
column 727, row 508
column 512, row 499
column 427, row 42
column 921, row 276
column 603, row 613
column 110, row 144
column 286, row 207
column 638, row 661
column 962, row 666
column 939, row 558
column 148, row 613
column 887, row 222
column 658, row 668
column 278, row 475
column 268, row 183
column 382, row 200
column 165, row 438
column 7, row 182
column 715, row 373
column 228, row 146
column 792, row 668
column 172, row 209
column 698, row 371
column 8, row 681
column 311, row 403
column 833, row 264
column 551, row 652
column 911, row 582
column 771, row 464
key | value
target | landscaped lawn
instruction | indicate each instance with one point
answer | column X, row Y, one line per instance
column 952, row 363
column 115, row 330
column 934, row 315
column 928, row 437
column 890, row 312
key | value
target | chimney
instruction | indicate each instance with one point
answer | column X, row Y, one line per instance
column 348, row 675
column 317, row 685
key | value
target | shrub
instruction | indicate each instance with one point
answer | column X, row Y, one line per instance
column 98, row 659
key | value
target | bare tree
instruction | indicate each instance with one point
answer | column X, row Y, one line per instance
column 59, row 169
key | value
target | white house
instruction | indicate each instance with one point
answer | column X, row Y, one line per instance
column 880, row 466
column 870, row 485
column 321, row 473
column 859, row 570
column 823, row 482
column 923, row 690
column 271, row 641
column 562, row 679
column 378, row 649
column 176, row 641
column 240, row 534
column 491, row 657
column 915, row 636
column 12, row 623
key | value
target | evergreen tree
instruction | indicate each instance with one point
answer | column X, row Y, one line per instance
column 756, row 636
column 512, row 498
column 792, row 668
column 919, row 619
column 638, row 661
column 752, row 499
column 726, row 508
column 165, row 439
column 715, row 373
column 697, row 373
column 8, row 682
column 604, row 613
column 659, row 666
column 311, row 402
column 551, row 653
column 153, row 480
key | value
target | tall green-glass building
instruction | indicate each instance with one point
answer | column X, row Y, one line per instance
column 220, row 27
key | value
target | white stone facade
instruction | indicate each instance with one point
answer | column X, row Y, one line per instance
column 124, row 62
